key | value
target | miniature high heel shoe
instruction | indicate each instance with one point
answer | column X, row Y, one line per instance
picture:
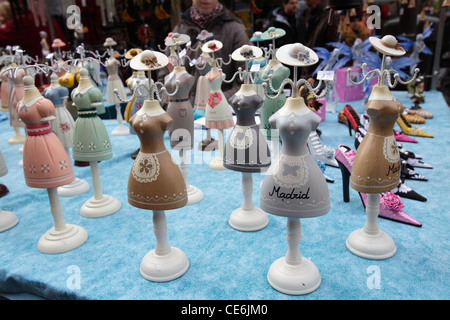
column 390, row 204
column 412, row 159
column 319, row 151
column 401, row 137
column 414, row 118
column 402, row 190
column 408, row 129
column 417, row 109
column 407, row 172
column 353, row 119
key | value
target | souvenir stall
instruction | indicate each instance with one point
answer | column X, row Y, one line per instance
column 322, row 177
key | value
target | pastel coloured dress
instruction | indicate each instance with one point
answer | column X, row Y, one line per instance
column 45, row 161
column 64, row 123
column 218, row 113
column 113, row 81
column 376, row 167
column 141, row 94
column 155, row 181
column 271, row 106
column 294, row 186
column 16, row 95
column 202, row 89
column 246, row 149
column 90, row 138
column 4, row 93
column 181, row 132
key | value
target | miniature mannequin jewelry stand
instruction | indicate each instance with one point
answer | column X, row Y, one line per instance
column 294, row 274
column 208, row 143
column 248, row 217
column 370, row 242
column 121, row 129
column 7, row 218
column 77, row 186
column 216, row 63
column 164, row 263
column 99, row 205
column 62, row 237
column 194, row 194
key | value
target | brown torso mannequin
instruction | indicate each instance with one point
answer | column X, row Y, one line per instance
column 155, row 181
column 376, row 167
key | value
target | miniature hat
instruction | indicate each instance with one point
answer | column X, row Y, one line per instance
column 149, row 60
column 246, row 53
column 212, row 46
column 177, row 39
column 204, row 34
column 296, row 54
column 273, row 33
column 109, row 42
column 130, row 54
column 388, row 45
column 256, row 37
column 58, row 43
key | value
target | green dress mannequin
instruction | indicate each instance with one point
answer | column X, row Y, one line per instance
column 279, row 72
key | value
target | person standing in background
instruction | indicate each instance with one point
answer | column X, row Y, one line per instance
column 212, row 16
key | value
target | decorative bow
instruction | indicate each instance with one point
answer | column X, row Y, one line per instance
column 289, row 170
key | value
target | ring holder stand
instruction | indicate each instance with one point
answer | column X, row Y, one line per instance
column 164, row 262
column 370, row 242
column 294, row 274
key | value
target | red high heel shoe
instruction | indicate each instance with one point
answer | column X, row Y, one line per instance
column 353, row 119
column 391, row 205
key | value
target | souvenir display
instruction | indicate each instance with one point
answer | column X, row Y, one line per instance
column 202, row 90
column 7, row 218
column 62, row 126
column 161, row 185
column 218, row 114
column 295, row 187
column 114, row 82
column 15, row 95
column 246, row 149
column 276, row 72
column 376, row 166
column 47, row 165
column 181, row 132
column 91, row 143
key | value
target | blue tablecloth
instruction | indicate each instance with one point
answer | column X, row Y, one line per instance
column 225, row 263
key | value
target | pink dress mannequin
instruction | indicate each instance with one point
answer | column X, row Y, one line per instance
column 47, row 165
column 4, row 93
column 16, row 95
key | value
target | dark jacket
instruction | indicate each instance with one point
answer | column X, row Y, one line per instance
column 227, row 29
column 295, row 27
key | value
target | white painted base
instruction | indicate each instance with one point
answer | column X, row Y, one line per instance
column 7, row 220
column 248, row 220
column 194, row 195
column 69, row 238
column 97, row 208
column 297, row 279
column 162, row 268
column 371, row 246
column 121, row 130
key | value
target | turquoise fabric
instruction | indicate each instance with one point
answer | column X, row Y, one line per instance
column 225, row 263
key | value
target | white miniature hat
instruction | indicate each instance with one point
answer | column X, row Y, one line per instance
column 204, row 34
column 109, row 42
column 388, row 45
column 297, row 54
column 176, row 39
column 246, row 52
column 212, row 46
column 149, row 60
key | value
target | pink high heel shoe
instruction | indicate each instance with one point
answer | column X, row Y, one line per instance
column 391, row 205
column 401, row 137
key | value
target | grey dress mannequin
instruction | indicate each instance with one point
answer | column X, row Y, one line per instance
column 295, row 186
column 246, row 149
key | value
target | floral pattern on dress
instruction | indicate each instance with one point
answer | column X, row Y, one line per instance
column 214, row 99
